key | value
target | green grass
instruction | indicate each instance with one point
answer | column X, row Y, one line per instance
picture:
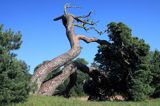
column 60, row 101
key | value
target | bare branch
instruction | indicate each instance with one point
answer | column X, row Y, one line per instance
column 58, row 18
column 65, row 8
column 86, row 39
column 84, row 21
column 85, row 16
column 81, row 26
column 99, row 32
column 67, row 5
column 89, row 28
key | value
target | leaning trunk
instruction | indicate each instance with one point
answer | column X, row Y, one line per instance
column 49, row 87
column 42, row 72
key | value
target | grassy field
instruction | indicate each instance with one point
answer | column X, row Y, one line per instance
column 59, row 101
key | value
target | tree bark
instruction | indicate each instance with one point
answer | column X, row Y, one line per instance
column 94, row 73
column 49, row 87
column 41, row 73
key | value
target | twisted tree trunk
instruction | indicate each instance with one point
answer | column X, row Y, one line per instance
column 48, row 87
column 96, row 75
column 42, row 72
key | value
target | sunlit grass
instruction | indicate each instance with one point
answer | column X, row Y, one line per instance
column 60, row 101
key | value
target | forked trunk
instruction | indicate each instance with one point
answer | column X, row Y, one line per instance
column 48, row 87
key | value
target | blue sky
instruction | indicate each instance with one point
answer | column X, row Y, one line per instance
column 44, row 39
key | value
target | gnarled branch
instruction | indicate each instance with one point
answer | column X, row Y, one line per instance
column 86, row 39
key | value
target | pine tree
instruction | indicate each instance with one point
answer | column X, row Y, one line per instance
column 155, row 61
column 14, row 77
column 125, row 61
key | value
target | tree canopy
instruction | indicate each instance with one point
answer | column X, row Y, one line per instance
column 125, row 61
column 155, row 61
column 14, row 74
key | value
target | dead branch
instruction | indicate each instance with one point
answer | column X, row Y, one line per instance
column 82, row 26
column 84, row 21
column 85, row 16
column 67, row 5
column 86, row 39
column 58, row 18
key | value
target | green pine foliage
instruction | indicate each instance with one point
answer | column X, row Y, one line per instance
column 155, row 61
column 125, row 60
column 77, row 90
column 14, row 77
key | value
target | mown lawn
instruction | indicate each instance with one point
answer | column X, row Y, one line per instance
column 60, row 101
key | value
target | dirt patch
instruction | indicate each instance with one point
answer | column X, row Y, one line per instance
column 83, row 98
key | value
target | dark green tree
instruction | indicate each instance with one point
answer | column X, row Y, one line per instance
column 125, row 61
column 14, row 76
column 155, row 61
